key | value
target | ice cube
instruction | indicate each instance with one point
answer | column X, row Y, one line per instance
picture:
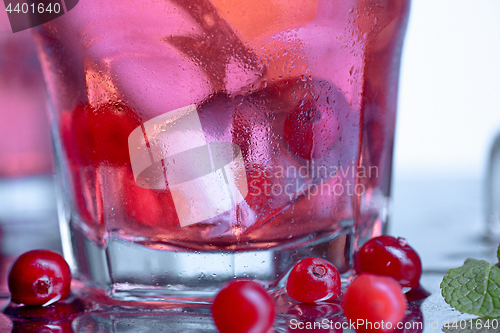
column 262, row 17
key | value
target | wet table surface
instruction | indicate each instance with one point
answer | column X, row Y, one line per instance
column 440, row 217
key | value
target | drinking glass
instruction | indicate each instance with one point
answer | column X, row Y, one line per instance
column 197, row 141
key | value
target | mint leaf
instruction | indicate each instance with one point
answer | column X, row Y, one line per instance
column 473, row 288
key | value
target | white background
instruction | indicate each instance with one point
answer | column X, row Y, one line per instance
column 449, row 98
column 449, row 112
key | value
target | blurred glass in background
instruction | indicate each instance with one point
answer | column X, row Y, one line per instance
column 25, row 145
column 28, row 217
column 492, row 192
column 448, row 116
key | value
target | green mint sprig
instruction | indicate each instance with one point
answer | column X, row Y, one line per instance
column 473, row 288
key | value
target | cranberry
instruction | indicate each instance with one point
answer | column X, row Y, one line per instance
column 315, row 109
column 375, row 303
column 313, row 280
column 386, row 255
column 243, row 306
column 311, row 129
column 39, row 276
column 100, row 133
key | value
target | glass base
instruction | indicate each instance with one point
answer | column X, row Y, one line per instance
column 132, row 272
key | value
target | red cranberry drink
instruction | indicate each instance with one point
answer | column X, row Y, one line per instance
column 202, row 140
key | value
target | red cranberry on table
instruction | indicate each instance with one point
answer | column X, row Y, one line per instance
column 313, row 280
column 243, row 306
column 39, row 276
column 375, row 303
column 389, row 256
